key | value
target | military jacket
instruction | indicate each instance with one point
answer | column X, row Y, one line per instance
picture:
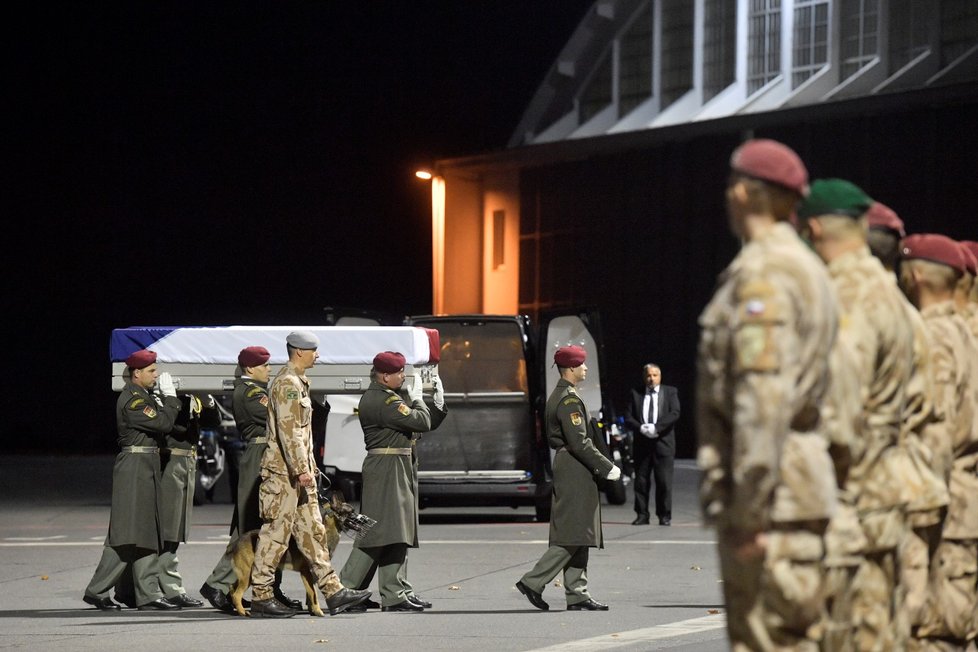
column 575, row 517
column 249, row 403
column 140, row 421
column 390, row 481
column 953, row 356
column 762, row 374
column 873, row 320
column 290, row 445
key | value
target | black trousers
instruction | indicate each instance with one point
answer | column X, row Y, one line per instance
column 652, row 463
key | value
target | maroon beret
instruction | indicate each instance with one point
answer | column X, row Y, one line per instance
column 881, row 216
column 971, row 246
column 769, row 160
column 570, row 356
column 389, row 362
column 970, row 258
column 253, row 356
column 934, row 247
column 141, row 359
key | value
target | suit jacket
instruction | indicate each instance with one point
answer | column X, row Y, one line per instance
column 666, row 424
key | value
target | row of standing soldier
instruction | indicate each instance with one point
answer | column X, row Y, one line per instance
column 836, row 418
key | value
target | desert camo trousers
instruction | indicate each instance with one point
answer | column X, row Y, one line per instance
column 775, row 602
column 289, row 512
column 951, row 618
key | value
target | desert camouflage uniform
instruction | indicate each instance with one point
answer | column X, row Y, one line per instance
column 762, row 374
column 873, row 323
column 928, row 446
column 287, row 508
column 951, row 616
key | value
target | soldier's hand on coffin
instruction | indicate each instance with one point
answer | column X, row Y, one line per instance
column 439, row 395
column 613, row 474
column 414, row 391
column 165, row 384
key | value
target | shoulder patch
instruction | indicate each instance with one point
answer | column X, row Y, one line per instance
column 576, row 418
column 254, row 390
column 571, row 400
column 150, row 412
column 404, row 409
column 264, row 400
column 136, row 403
column 291, row 394
column 755, row 346
column 756, row 301
column 391, row 399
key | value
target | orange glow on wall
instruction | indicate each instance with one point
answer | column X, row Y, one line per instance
column 438, row 245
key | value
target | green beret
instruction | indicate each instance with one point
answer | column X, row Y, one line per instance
column 834, row 197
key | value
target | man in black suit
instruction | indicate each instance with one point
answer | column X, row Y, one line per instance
column 652, row 415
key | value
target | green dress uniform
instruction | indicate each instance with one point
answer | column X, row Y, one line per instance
column 177, row 491
column 575, row 522
column 390, row 490
column 249, row 404
column 134, row 537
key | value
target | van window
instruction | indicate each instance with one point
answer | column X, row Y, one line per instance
column 481, row 356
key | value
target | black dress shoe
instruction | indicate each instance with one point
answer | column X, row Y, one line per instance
column 587, row 605
column 535, row 598
column 641, row 520
column 184, row 600
column 363, row 606
column 104, row 604
column 344, row 599
column 160, row 604
column 218, row 599
column 665, row 521
column 407, row 605
column 287, row 601
column 270, row 608
column 418, row 600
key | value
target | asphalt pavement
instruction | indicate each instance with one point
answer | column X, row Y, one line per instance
column 662, row 583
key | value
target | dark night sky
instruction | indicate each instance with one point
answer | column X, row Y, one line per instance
column 199, row 163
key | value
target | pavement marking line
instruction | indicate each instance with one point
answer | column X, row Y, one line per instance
column 655, row 633
column 20, row 542
column 57, row 536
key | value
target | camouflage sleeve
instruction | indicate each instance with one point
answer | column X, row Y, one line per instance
column 256, row 407
column 765, row 356
column 397, row 415
column 148, row 416
column 293, row 420
column 573, row 424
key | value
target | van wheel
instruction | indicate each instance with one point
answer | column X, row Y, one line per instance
column 615, row 492
column 543, row 512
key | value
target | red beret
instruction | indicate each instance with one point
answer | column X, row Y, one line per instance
column 570, row 356
column 970, row 257
column 881, row 216
column 934, row 247
column 141, row 359
column 253, row 356
column 769, row 160
column 389, row 362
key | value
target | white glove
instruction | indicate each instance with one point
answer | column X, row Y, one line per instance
column 439, row 395
column 414, row 391
column 613, row 474
column 165, row 384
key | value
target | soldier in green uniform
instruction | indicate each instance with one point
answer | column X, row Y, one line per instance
column 134, row 538
column 575, row 523
column 392, row 420
column 249, row 403
column 287, row 496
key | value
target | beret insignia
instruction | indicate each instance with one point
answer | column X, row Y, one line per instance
column 404, row 409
